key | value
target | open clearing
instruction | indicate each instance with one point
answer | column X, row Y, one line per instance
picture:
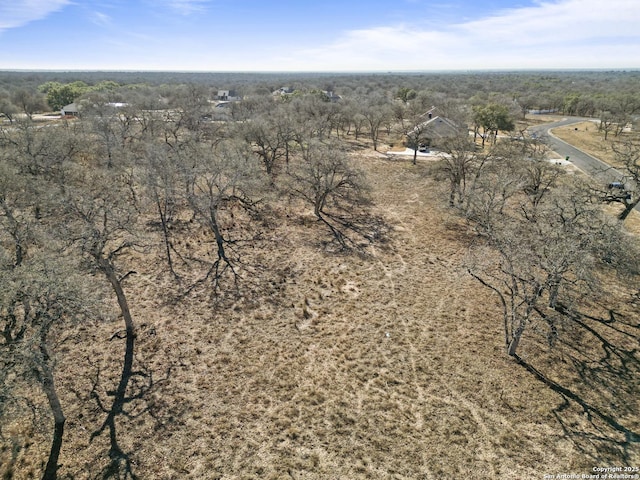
column 386, row 365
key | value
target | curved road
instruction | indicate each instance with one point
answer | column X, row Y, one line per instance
column 585, row 162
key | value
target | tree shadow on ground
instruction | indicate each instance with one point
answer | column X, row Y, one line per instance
column 354, row 232
column 129, row 401
column 599, row 412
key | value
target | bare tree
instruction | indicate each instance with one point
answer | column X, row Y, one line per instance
column 15, row 218
column 462, row 165
column 109, row 130
column 29, row 102
column 162, row 180
column 42, row 153
column 326, row 180
column 7, row 108
column 269, row 141
column 545, row 253
column 628, row 155
column 359, row 122
column 39, row 296
column 540, row 177
column 101, row 222
column 607, row 123
column 225, row 179
column 313, row 117
column 375, row 111
column 40, row 292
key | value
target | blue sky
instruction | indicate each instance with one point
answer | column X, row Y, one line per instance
column 329, row 35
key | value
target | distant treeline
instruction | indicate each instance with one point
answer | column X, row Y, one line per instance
column 446, row 82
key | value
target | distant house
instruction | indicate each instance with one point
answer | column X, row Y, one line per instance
column 542, row 111
column 332, row 96
column 70, row 110
column 228, row 96
column 117, row 104
column 436, row 128
column 284, row 91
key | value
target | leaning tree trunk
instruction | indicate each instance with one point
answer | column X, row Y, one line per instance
column 628, row 208
column 46, row 380
column 119, row 398
column 215, row 228
column 515, row 339
column 516, row 333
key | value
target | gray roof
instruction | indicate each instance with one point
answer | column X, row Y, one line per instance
column 439, row 127
column 71, row 108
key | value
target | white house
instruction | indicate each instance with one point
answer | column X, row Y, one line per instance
column 70, row 110
column 435, row 128
column 228, row 96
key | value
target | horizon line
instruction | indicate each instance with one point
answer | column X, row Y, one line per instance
column 344, row 72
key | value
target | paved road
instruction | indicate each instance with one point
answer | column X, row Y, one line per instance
column 585, row 162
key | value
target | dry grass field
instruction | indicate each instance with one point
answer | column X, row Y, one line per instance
column 384, row 365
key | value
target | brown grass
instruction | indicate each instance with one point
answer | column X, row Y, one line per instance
column 384, row 365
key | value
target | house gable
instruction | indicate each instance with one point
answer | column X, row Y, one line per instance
column 228, row 96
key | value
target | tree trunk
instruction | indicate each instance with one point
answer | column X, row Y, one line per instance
column 452, row 196
column 51, row 470
column 286, row 152
column 127, row 369
column 46, row 380
column 515, row 339
column 165, row 233
column 14, row 231
column 213, row 221
column 553, row 283
column 19, row 255
column 628, row 208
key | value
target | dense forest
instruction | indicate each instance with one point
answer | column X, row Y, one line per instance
column 326, row 276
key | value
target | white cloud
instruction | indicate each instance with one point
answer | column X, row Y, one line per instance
column 16, row 13
column 188, row 7
column 551, row 34
column 101, row 19
column 561, row 20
